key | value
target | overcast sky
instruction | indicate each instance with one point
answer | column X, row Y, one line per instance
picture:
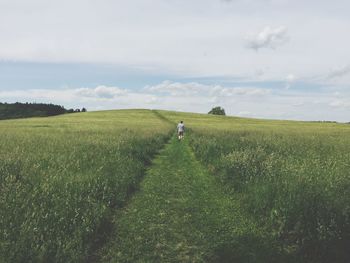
column 281, row 59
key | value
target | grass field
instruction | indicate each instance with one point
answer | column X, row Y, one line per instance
column 62, row 177
column 291, row 178
column 75, row 189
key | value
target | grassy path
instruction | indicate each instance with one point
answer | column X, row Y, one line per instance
column 180, row 214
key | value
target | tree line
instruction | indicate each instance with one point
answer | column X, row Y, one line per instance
column 26, row 110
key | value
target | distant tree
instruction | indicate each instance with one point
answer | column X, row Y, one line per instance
column 83, row 110
column 26, row 110
column 77, row 110
column 70, row 111
column 217, row 111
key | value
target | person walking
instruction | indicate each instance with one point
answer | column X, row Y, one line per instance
column 180, row 130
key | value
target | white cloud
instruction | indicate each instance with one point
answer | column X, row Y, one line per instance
column 268, row 38
column 193, row 88
column 229, row 92
column 340, row 103
column 66, row 95
column 177, row 88
column 241, row 101
column 199, row 38
column 339, row 72
column 103, row 92
column 214, row 100
column 337, row 76
column 298, row 104
column 128, row 33
column 290, row 79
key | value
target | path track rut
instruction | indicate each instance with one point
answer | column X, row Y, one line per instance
column 180, row 214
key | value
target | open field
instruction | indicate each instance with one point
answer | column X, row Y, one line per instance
column 61, row 177
column 75, row 189
column 291, row 178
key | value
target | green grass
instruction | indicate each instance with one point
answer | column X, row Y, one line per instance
column 292, row 177
column 236, row 190
column 181, row 214
column 62, row 178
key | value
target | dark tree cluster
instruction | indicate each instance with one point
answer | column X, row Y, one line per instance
column 217, row 111
column 76, row 110
column 25, row 110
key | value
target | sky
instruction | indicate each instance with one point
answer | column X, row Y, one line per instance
column 274, row 59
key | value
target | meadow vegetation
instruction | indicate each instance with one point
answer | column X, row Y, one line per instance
column 235, row 190
column 291, row 178
column 181, row 214
column 62, row 177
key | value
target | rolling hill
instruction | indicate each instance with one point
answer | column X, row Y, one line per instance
column 117, row 186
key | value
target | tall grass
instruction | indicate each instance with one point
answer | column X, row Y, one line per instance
column 61, row 179
column 294, row 182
